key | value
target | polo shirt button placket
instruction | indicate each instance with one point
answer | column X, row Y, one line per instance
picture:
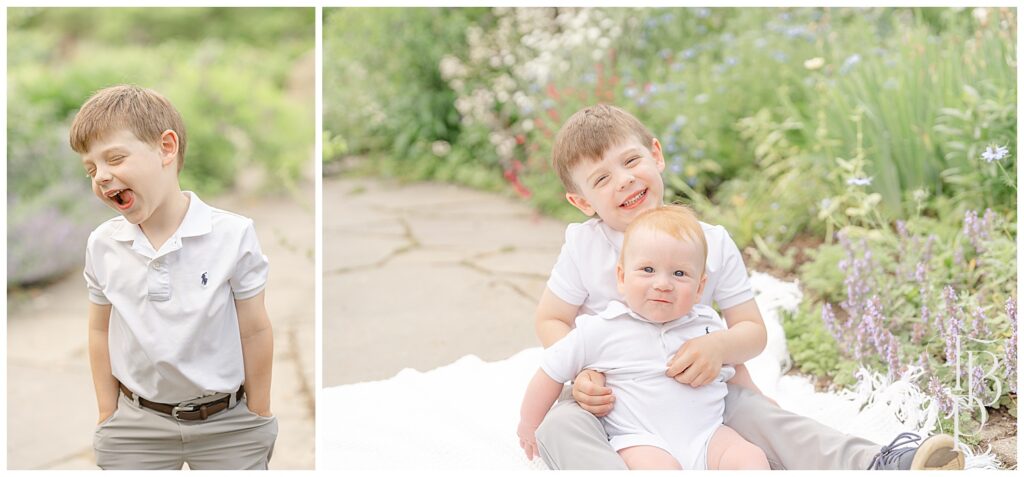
column 159, row 281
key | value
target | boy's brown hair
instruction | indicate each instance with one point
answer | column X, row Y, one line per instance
column 676, row 220
column 590, row 132
column 144, row 112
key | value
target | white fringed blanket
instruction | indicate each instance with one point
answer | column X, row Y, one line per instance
column 464, row 415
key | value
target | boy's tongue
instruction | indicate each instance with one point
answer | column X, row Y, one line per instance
column 125, row 199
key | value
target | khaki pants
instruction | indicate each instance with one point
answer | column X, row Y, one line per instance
column 571, row 438
column 138, row 438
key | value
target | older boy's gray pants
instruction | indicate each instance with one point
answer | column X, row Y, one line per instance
column 136, row 438
column 571, row 438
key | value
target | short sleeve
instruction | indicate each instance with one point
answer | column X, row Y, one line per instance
column 565, row 359
column 733, row 283
column 91, row 281
column 251, row 268
column 565, row 280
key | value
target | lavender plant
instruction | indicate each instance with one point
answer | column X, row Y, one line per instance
column 940, row 299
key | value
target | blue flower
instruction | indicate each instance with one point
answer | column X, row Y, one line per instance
column 664, row 53
column 689, row 53
column 848, row 64
column 860, row 181
column 630, row 92
column 993, row 153
column 676, row 166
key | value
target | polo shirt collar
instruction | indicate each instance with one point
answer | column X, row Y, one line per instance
column 614, row 237
column 617, row 308
column 198, row 221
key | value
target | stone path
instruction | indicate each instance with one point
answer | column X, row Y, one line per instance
column 51, row 408
column 418, row 275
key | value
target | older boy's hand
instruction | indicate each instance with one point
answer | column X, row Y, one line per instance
column 590, row 392
column 698, row 361
column 104, row 415
column 528, row 439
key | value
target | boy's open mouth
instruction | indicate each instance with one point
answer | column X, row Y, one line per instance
column 124, row 198
column 634, row 200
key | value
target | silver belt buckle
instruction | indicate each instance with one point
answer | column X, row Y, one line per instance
column 180, row 407
column 196, row 403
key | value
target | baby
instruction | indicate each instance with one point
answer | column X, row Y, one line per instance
column 657, row 423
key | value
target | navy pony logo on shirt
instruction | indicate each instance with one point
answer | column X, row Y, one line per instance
column 203, row 278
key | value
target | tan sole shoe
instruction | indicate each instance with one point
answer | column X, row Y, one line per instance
column 938, row 452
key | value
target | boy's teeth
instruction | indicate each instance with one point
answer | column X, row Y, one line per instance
column 634, row 199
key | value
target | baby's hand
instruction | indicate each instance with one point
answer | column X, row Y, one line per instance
column 697, row 362
column 528, row 439
column 590, row 392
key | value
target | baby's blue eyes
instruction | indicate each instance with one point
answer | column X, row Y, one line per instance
column 678, row 273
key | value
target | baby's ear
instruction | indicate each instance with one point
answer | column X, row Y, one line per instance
column 580, row 203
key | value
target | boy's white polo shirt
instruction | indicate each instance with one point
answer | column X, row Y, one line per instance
column 584, row 274
column 173, row 332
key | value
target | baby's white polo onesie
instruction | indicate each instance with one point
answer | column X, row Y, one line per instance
column 651, row 408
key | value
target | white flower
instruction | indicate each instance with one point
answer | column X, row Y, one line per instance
column 441, row 148
column 814, row 63
column 860, row 181
column 993, row 153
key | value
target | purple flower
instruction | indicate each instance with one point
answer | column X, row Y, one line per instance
column 921, row 274
column 941, row 395
column 995, row 153
column 953, row 326
column 1011, row 343
column 978, row 383
column 859, row 181
column 978, row 325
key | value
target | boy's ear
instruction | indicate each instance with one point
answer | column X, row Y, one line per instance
column 620, row 278
column 703, row 281
column 169, row 147
column 580, row 202
column 659, row 158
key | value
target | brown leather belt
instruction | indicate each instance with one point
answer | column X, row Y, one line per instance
column 185, row 411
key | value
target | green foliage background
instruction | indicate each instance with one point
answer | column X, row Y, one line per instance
column 227, row 70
